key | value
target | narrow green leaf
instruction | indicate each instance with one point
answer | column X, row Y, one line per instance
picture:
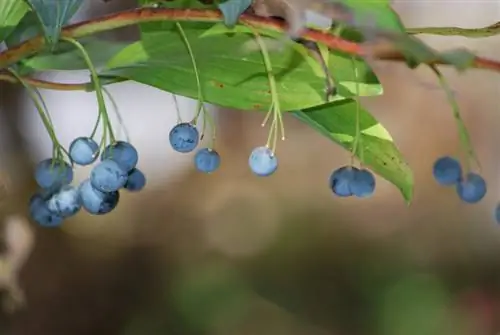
column 337, row 121
column 11, row 12
column 234, row 78
column 53, row 14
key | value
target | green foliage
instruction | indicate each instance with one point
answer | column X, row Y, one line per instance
column 11, row 12
column 231, row 68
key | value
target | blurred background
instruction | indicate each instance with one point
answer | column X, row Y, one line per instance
column 233, row 254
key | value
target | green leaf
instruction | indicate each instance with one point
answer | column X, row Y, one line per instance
column 233, row 77
column 377, row 150
column 375, row 14
column 11, row 12
column 100, row 52
column 27, row 28
column 53, row 14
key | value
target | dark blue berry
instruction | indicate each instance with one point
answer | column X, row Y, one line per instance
column 263, row 161
column 50, row 174
column 207, row 160
column 472, row 188
column 123, row 153
column 363, row 183
column 65, row 202
column 83, row 151
column 342, row 179
column 135, row 181
column 95, row 201
column 108, row 176
column 41, row 214
column 447, row 171
column 184, row 137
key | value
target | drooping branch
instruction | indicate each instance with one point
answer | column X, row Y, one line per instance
column 143, row 15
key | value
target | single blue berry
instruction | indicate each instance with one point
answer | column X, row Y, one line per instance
column 97, row 202
column 83, row 150
column 263, row 161
column 363, row 183
column 51, row 174
column 123, row 153
column 184, row 137
column 65, row 202
column 108, row 176
column 341, row 180
column 135, row 181
column 207, row 160
column 472, row 188
column 447, row 171
column 40, row 212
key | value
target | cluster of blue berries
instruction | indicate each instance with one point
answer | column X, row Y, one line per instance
column 184, row 138
column 350, row 181
column 470, row 188
column 58, row 199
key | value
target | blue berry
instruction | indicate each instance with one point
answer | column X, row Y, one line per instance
column 342, row 179
column 108, row 176
column 50, row 174
column 184, row 137
column 363, row 183
column 83, row 151
column 65, row 202
column 263, row 162
column 41, row 214
column 135, row 181
column 472, row 189
column 447, row 171
column 95, row 201
column 123, row 153
column 206, row 160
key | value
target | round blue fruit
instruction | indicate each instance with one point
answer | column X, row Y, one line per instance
column 342, row 179
column 65, row 202
column 447, row 171
column 184, row 137
column 51, row 174
column 263, row 162
column 207, row 160
column 97, row 202
column 108, row 176
column 83, row 151
column 136, row 180
column 123, row 153
column 363, row 183
column 472, row 188
column 41, row 214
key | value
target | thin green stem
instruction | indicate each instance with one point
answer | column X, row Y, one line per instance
column 357, row 139
column 97, row 85
column 35, row 98
column 195, row 68
column 465, row 141
column 488, row 31
column 117, row 113
column 275, row 103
